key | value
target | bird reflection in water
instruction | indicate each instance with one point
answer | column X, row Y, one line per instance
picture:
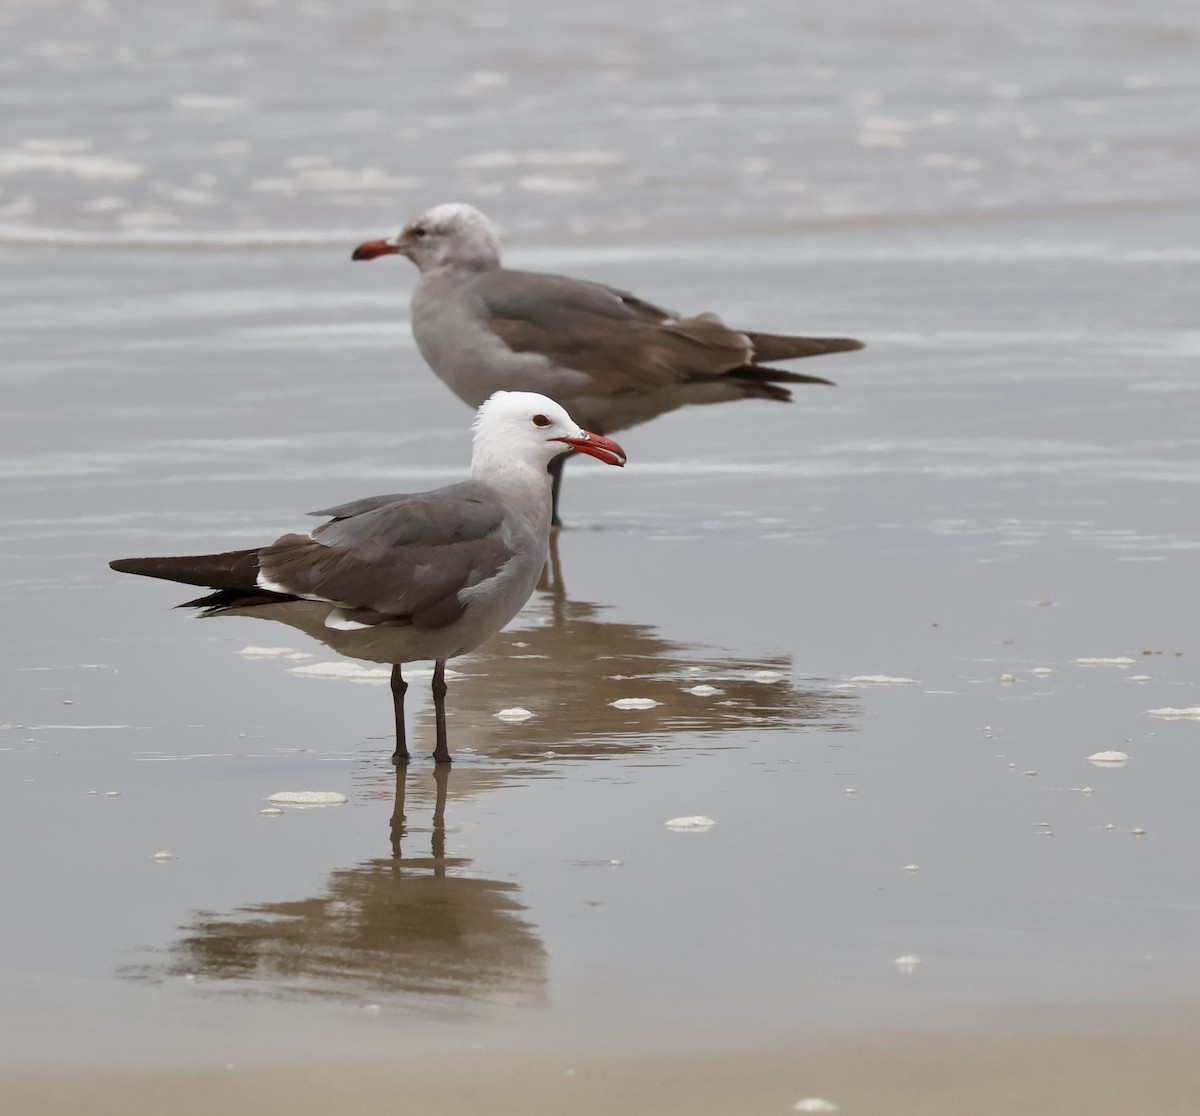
column 386, row 930
column 566, row 664
column 413, row 927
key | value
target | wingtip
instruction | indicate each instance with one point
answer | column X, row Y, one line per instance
column 832, row 345
column 770, row 347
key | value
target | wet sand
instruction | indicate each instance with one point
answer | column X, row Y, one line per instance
column 873, row 677
column 1146, row 1063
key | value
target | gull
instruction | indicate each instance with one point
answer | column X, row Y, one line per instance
column 403, row 577
column 611, row 358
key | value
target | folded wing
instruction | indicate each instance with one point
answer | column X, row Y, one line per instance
column 398, row 559
column 629, row 345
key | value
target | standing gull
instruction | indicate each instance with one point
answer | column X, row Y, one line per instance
column 610, row 358
column 398, row 578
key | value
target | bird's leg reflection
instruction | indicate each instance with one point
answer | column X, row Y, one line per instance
column 399, row 826
column 399, row 689
column 441, row 777
column 551, row 581
column 398, row 829
column 556, row 473
column 441, row 753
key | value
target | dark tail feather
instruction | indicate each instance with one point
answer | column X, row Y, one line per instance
column 763, row 377
column 224, row 599
column 234, row 570
column 771, row 346
column 760, row 389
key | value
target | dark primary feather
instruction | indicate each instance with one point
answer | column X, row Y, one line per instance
column 758, row 376
column 770, row 347
column 224, row 599
column 235, row 569
column 231, row 574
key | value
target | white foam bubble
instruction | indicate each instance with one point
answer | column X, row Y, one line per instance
column 1191, row 713
column 345, row 672
column 634, row 703
column 880, row 680
column 251, row 651
column 691, row 823
column 307, row 798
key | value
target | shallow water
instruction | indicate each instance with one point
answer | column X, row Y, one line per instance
column 1004, row 481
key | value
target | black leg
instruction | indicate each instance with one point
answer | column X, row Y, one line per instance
column 556, row 474
column 442, row 752
column 399, row 688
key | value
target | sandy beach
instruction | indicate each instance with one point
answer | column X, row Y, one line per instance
column 1145, row 1063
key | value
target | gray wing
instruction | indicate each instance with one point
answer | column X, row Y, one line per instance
column 536, row 296
column 365, row 504
column 401, row 559
column 627, row 343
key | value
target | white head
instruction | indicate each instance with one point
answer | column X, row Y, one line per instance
column 525, row 428
column 453, row 234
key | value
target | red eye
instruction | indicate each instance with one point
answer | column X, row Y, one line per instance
column 540, row 420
